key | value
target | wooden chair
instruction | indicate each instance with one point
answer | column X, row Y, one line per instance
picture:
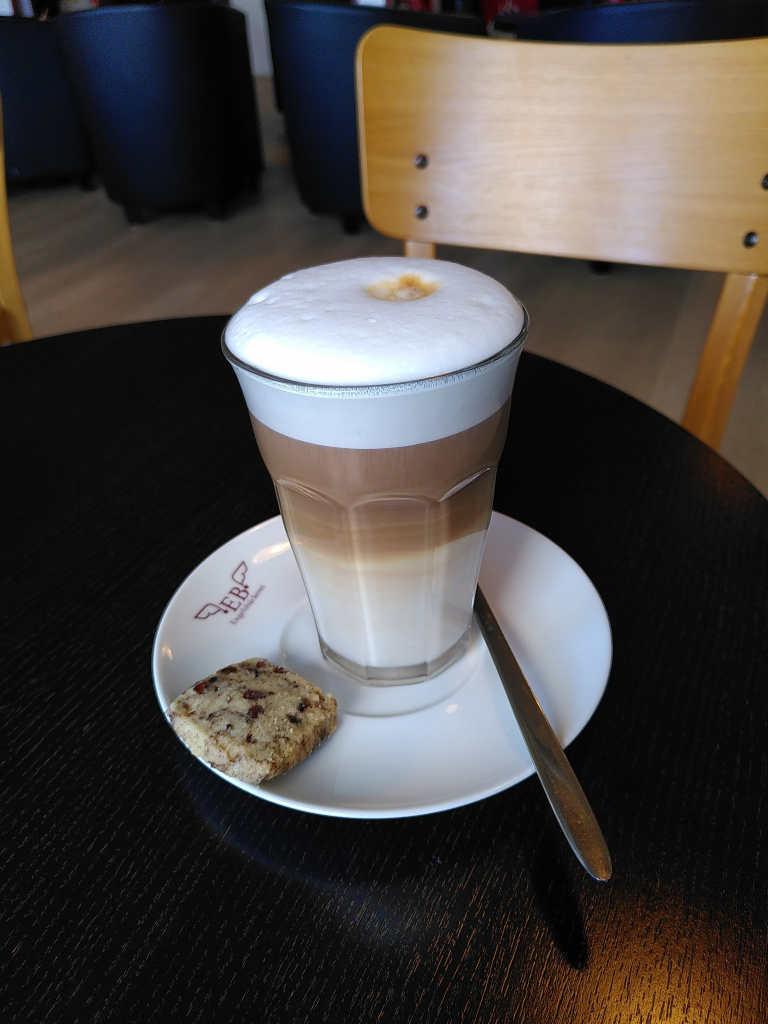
column 14, row 323
column 631, row 154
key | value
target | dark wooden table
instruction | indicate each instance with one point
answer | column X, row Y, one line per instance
column 139, row 887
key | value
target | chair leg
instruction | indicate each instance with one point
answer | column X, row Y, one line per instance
column 14, row 322
column 725, row 352
column 136, row 214
column 217, row 208
column 6, row 328
column 422, row 250
column 351, row 223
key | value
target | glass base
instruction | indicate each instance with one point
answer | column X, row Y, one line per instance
column 397, row 675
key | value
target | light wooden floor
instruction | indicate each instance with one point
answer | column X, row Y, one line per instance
column 639, row 328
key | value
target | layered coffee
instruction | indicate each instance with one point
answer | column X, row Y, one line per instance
column 384, row 453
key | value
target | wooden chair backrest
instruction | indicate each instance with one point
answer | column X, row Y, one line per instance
column 14, row 322
column 638, row 154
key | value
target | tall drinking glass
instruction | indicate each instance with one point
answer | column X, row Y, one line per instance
column 385, row 490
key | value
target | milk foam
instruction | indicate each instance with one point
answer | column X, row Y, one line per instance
column 327, row 325
column 377, row 372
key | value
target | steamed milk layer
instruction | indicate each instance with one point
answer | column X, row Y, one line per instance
column 385, row 481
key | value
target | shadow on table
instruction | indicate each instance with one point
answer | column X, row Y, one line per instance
column 398, row 880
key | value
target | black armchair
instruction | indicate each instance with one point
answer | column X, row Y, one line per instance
column 313, row 54
column 645, row 21
column 43, row 129
column 168, row 99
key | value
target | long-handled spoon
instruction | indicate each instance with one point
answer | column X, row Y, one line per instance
column 564, row 793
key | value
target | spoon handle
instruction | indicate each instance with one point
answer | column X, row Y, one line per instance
column 564, row 793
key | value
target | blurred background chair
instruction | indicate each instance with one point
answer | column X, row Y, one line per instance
column 14, row 322
column 44, row 134
column 654, row 155
column 313, row 55
column 644, row 21
column 168, row 99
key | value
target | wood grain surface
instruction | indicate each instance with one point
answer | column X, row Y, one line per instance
column 139, row 887
column 634, row 154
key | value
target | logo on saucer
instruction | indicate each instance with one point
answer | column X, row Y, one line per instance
column 238, row 599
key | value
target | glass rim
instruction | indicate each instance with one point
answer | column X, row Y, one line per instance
column 288, row 383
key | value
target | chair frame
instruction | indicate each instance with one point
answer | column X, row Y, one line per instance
column 14, row 322
column 637, row 154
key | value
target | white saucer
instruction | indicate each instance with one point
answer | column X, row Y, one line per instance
column 400, row 750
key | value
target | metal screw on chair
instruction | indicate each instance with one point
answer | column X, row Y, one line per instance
column 751, row 239
column 421, row 212
column 764, row 182
column 422, row 160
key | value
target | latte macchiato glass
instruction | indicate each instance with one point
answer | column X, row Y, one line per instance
column 383, row 443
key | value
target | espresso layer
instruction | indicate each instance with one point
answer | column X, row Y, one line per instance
column 381, row 484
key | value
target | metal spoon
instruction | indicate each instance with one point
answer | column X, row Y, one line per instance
column 566, row 797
